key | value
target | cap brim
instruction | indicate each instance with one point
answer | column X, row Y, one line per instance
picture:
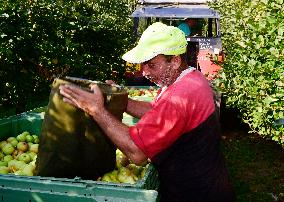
column 138, row 55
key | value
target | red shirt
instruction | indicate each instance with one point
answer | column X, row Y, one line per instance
column 183, row 106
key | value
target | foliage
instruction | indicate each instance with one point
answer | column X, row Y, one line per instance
column 42, row 39
column 252, row 78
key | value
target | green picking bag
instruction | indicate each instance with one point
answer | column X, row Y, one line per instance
column 71, row 142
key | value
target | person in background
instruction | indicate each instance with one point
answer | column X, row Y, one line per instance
column 179, row 131
column 190, row 27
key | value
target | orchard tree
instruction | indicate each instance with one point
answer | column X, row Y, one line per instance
column 252, row 78
column 43, row 39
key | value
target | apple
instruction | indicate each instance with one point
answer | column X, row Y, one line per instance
column 54, row 61
column 4, row 170
column 34, row 148
column 2, row 143
column 28, row 170
column 22, row 137
column 19, row 165
column 125, row 176
column 36, row 139
column 30, row 144
column 13, row 141
column 136, row 170
column 106, row 178
column 15, row 165
column 22, row 146
column 121, row 159
column 25, row 158
column 12, row 163
column 29, row 138
column 8, row 149
column 9, row 139
column 8, row 158
column 33, row 163
column 113, row 176
column 3, row 163
column 32, row 155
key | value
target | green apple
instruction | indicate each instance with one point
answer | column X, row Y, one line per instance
column 34, row 148
column 113, row 176
column 8, row 149
column 9, row 139
column 33, row 163
column 4, row 170
column 28, row 170
column 12, row 163
column 29, row 138
column 136, row 170
column 2, row 143
column 13, row 141
column 32, row 155
column 19, row 165
column 8, row 158
column 125, row 176
column 121, row 159
column 3, row 163
column 30, row 144
column 15, row 165
column 106, row 178
column 22, row 137
column 22, row 146
column 25, row 158
column 36, row 139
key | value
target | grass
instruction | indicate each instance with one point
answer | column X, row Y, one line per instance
column 256, row 166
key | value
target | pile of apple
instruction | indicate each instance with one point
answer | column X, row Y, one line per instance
column 18, row 154
column 150, row 92
column 126, row 171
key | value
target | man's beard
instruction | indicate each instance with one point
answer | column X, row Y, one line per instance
column 165, row 79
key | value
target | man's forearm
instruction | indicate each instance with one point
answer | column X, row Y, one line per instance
column 119, row 134
column 137, row 108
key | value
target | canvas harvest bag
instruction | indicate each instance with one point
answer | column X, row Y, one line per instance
column 71, row 142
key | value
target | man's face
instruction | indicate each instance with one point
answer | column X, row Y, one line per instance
column 159, row 70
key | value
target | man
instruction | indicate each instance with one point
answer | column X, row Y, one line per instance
column 178, row 131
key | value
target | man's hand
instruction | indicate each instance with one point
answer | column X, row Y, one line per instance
column 91, row 103
column 110, row 82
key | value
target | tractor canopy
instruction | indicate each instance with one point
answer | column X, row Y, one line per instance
column 203, row 33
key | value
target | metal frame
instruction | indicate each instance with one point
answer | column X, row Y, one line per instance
column 174, row 1
column 175, row 11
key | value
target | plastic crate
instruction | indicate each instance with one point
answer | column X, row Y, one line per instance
column 62, row 189
column 13, row 125
column 20, row 188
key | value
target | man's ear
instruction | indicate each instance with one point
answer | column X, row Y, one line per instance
column 176, row 61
